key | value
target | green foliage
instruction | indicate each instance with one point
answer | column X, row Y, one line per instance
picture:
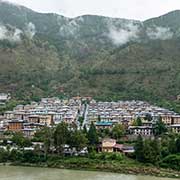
column 137, row 122
column 178, row 145
column 159, row 128
column 148, row 151
column 81, row 119
column 171, row 161
column 61, row 135
column 20, row 140
column 3, row 155
column 106, row 156
column 118, row 131
column 78, row 140
column 92, row 135
column 139, row 149
column 151, row 151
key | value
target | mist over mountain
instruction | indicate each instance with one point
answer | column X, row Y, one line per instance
column 109, row 58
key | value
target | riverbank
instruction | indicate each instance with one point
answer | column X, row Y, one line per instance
column 124, row 167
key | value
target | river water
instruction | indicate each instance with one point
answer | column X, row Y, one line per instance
column 26, row 173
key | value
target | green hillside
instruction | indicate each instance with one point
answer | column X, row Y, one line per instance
column 48, row 54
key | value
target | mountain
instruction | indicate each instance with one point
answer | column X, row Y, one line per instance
column 108, row 58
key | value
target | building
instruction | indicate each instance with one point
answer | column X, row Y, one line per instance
column 4, row 97
column 176, row 119
column 29, row 133
column 103, row 125
column 141, row 130
column 108, row 145
column 166, row 119
column 175, row 128
column 15, row 125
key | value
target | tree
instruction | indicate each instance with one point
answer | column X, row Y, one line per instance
column 81, row 119
column 99, row 118
column 20, row 140
column 159, row 128
column 139, row 121
column 78, row 140
column 178, row 145
column 118, row 131
column 85, row 130
column 45, row 135
column 172, row 146
column 151, row 151
column 139, row 149
column 61, row 135
column 92, row 135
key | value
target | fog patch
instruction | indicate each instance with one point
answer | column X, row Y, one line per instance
column 124, row 34
column 10, row 34
column 161, row 33
column 70, row 29
column 30, row 30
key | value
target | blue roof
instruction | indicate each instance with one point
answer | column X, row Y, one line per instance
column 103, row 123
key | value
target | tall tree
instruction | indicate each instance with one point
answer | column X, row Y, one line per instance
column 139, row 149
column 92, row 135
column 61, row 135
column 47, row 138
column 159, row 128
column 178, row 145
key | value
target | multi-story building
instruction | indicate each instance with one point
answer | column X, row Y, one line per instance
column 141, row 130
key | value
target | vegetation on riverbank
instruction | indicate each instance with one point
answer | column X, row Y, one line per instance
column 157, row 157
column 123, row 165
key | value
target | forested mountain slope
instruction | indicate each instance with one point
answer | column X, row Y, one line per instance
column 109, row 58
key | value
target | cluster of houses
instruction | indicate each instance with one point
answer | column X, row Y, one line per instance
column 28, row 119
column 106, row 114
column 48, row 112
column 51, row 111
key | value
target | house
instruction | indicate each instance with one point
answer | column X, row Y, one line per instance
column 15, row 125
column 4, row 97
column 175, row 128
column 103, row 125
column 141, row 130
column 42, row 119
column 110, row 145
column 28, row 132
column 166, row 119
column 33, row 119
column 176, row 119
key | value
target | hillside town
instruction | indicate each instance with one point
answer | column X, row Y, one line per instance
column 30, row 118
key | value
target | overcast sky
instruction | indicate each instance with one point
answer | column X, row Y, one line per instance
column 131, row 9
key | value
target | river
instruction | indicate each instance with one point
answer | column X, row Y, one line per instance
column 26, row 173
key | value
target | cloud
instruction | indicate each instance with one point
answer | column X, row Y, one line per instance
column 13, row 35
column 128, row 32
column 30, row 30
column 161, row 33
column 70, row 29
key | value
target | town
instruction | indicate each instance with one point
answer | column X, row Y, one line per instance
column 81, row 112
column 82, row 128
